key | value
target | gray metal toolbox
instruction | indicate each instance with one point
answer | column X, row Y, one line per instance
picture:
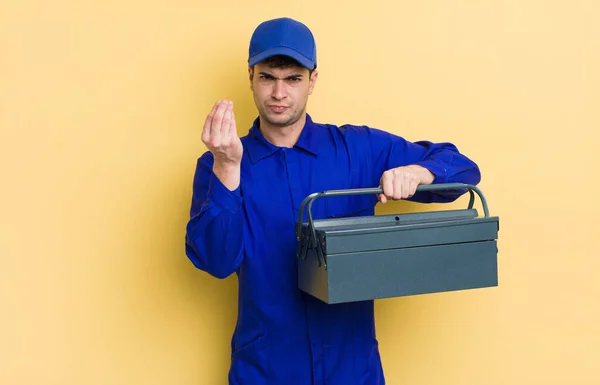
column 382, row 256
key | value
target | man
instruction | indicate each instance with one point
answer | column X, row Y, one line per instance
column 246, row 198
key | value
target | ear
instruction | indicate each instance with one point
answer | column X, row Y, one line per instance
column 250, row 77
column 312, row 81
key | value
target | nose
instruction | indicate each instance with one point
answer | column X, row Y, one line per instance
column 279, row 89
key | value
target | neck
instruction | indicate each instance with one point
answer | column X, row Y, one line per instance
column 282, row 136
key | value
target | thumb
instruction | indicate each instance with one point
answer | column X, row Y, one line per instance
column 381, row 197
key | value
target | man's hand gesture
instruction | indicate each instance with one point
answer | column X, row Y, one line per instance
column 221, row 138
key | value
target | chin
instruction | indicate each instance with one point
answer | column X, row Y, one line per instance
column 280, row 120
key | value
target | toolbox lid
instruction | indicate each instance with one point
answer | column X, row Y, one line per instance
column 397, row 231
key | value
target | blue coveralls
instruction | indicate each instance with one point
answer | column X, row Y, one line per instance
column 283, row 336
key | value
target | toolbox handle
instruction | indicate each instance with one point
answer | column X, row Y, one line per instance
column 378, row 190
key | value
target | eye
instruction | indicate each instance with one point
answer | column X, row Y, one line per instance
column 265, row 77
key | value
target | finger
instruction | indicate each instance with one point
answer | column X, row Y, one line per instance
column 378, row 196
column 226, row 122
column 413, row 188
column 217, row 119
column 406, row 181
column 233, row 126
column 388, row 185
column 217, row 122
column 381, row 197
column 207, row 123
column 399, row 185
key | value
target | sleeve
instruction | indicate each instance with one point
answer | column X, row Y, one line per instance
column 443, row 160
column 214, row 233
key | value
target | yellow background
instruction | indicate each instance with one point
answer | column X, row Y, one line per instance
column 101, row 109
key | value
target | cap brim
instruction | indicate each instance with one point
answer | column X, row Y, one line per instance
column 303, row 60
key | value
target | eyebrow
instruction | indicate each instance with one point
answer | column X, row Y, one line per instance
column 287, row 77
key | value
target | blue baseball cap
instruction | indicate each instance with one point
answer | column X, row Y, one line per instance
column 283, row 36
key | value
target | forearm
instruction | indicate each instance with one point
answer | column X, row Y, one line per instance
column 443, row 162
column 214, row 233
column 214, row 241
column 449, row 166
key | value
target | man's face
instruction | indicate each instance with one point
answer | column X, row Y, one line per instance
column 281, row 94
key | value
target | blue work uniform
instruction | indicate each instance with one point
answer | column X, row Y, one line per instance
column 282, row 335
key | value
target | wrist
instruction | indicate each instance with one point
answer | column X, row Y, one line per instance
column 226, row 164
column 424, row 175
column 226, row 159
column 228, row 173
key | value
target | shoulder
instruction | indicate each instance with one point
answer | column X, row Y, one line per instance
column 359, row 133
column 347, row 128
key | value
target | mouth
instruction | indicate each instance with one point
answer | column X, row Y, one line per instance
column 277, row 109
